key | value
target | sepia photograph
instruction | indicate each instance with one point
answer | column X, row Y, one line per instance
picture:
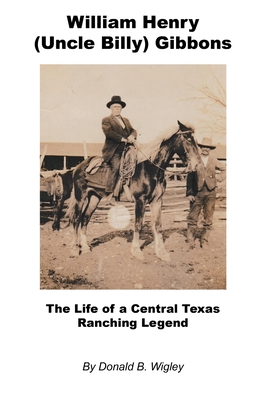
column 133, row 177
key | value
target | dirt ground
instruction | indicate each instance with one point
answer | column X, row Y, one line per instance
column 110, row 265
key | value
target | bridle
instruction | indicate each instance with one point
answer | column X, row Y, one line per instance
column 182, row 133
column 184, row 139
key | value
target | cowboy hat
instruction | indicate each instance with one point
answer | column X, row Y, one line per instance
column 116, row 100
column 206, row 142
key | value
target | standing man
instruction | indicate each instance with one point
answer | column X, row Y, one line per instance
column 118, row 131
column 201, row 192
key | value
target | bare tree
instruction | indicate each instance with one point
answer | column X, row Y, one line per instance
column 210, row 98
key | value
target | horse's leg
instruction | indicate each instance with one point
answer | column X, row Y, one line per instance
column 93, row 202
column 76, row 222
column 156, row 225
column 57, row 214
column 140, row 206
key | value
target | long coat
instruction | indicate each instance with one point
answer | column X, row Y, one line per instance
column 197, row 179
column 114, row 132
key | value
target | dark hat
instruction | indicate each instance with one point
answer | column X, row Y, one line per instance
column 206, row 142
column 116, row 100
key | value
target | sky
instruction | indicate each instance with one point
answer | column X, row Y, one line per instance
column 73, row 99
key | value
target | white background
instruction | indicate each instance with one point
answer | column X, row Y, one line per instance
column 42, row 354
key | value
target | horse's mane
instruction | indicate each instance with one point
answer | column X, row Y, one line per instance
column 151, row 150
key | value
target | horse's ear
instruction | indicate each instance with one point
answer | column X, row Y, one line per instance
column 181, row 126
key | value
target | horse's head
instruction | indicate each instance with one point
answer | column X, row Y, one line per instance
column 186, row 147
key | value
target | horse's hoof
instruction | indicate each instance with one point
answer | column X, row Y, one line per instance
column 74, row 252
column 86, row 249
column 164, row 257
column 137, row 253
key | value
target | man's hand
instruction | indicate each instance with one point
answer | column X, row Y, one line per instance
column 191, row 198
column 131, row 139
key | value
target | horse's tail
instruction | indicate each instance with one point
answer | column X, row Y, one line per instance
column 72, row 209
column 70, row 212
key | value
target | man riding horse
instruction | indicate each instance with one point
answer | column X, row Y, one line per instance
column 118, row 131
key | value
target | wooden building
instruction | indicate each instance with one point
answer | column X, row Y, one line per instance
column 63, row 156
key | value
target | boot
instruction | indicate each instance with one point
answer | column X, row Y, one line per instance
column 204, row 240
column 190, row 239
column 117, row 190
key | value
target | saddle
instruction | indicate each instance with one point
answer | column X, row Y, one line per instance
column 94, row 164
column 96, row 172
column 54, row 186
column 97, row 169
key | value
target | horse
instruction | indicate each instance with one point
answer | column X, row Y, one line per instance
column 147, row 186
column 59, row 187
